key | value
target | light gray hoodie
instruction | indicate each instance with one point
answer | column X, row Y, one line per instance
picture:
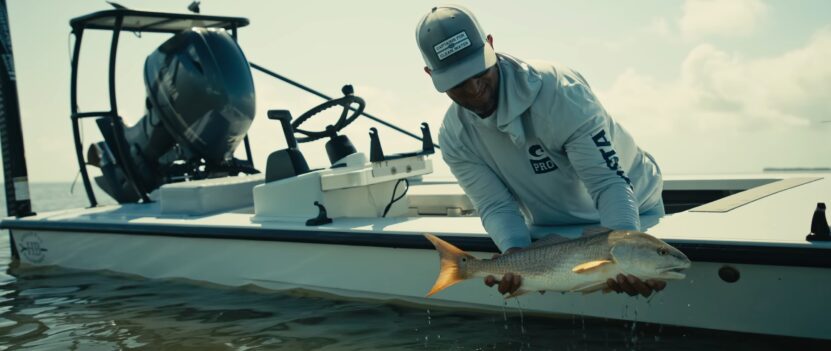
column 551, row 151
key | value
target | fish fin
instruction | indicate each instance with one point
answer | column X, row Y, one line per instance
column 550, row 239
column 517, row 293
column 595, row 230
column 449, row 256
column 590, row 266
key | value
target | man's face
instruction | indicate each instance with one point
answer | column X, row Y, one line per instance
column 479, row 94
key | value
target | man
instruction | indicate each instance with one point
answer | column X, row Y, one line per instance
column 530, row 144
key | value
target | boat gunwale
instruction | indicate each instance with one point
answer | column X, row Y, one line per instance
column 744, row 253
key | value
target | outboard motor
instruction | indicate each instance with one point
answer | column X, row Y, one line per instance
column 200, row 104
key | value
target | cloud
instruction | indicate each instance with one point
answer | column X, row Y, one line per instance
column 719, row 90
column 727, row 18
column 660, row 26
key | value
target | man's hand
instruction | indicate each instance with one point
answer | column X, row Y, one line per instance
column 510, row 282
column 632, row 285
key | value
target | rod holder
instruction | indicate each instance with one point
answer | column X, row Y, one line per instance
column 376, row 153
column 819, row 225
column 427, row 146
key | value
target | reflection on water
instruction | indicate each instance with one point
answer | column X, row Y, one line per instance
column 59, row 309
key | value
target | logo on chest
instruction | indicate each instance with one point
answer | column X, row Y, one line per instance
column 540, row 163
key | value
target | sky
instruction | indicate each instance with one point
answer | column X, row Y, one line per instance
column 707, row 87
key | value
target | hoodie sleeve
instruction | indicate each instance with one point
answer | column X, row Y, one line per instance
column 590, row 147
column 497, row 208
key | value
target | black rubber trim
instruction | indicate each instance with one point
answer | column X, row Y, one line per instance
column 738, row 254
column 165, row 18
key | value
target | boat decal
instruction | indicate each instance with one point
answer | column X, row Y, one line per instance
column 32, row 248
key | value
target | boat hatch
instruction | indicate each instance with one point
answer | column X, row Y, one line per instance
column 745, row 197
column 439, row 199
column 206, row 196
column 682, row 193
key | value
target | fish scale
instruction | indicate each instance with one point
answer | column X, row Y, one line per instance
column 550, row 267
column 583, row 264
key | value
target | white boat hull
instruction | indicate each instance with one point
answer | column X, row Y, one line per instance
column 778, row 300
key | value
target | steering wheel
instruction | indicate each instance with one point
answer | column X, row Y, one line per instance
column 345, row 119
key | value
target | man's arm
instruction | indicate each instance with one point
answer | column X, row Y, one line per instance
column 496, row 206
column 591, row 151
column 587, row 133
column 593, row 156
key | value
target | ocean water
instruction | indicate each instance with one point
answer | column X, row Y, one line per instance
column 58, row 309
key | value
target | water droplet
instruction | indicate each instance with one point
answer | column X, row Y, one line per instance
column 521, row 317
column 505, row 313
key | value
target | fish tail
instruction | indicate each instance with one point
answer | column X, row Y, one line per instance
column 450, row 256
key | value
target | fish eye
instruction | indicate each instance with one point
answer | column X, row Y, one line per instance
column 662, row 251
column 464, row 259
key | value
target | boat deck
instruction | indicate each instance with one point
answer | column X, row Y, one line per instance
column 765, row 213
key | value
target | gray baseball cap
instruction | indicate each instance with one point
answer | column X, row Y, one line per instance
column 453, row 45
